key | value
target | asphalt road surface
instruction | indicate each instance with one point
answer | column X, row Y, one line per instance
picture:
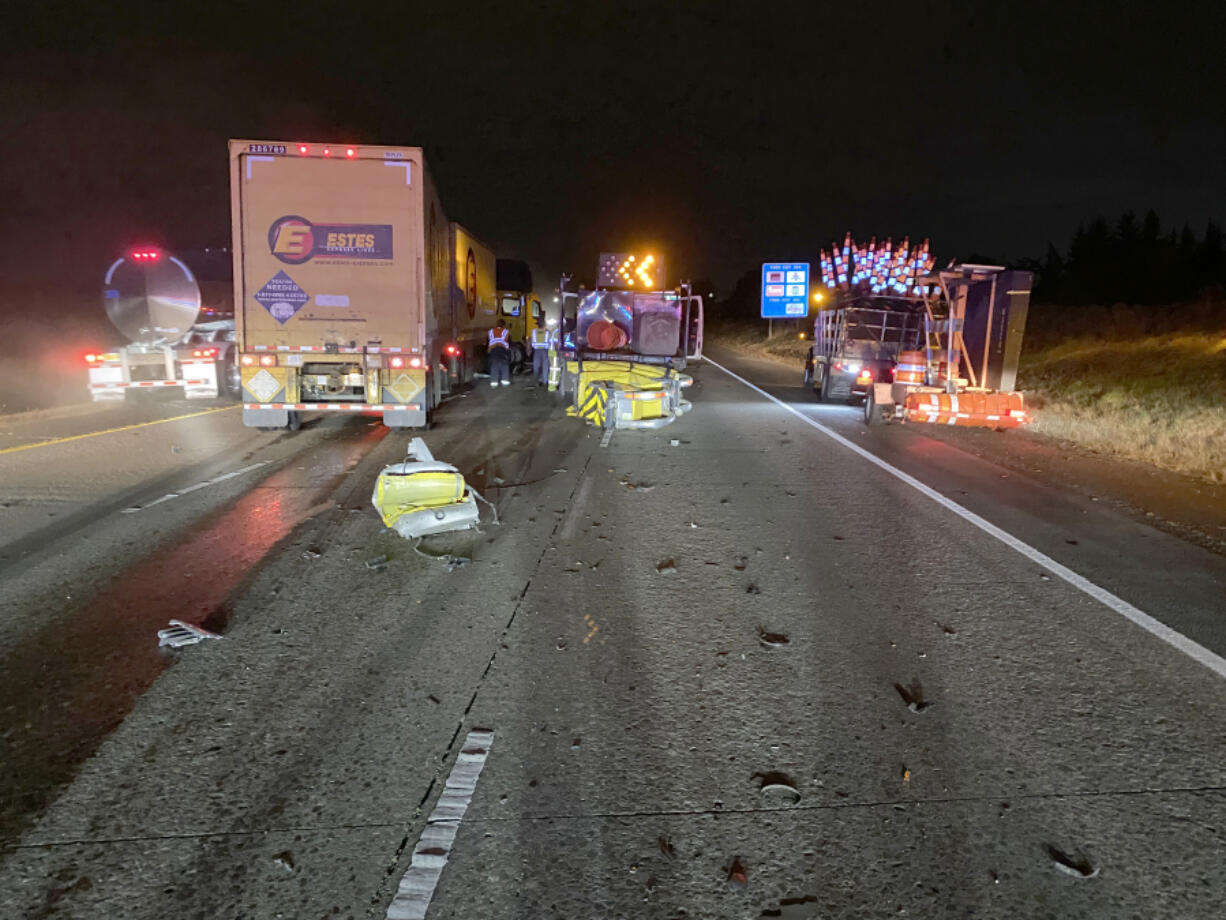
column 765, row 662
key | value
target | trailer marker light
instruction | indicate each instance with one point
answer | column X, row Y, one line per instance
column 395, row 362
column 268, row 360
column 204, row 353
column 327, row 152
column 303, row 149
column 351, row 153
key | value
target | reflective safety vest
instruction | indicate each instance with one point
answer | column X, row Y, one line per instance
column 500, row 340
column 540, row 338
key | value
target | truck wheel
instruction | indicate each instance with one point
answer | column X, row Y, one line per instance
column 871, row 415
column 809, row 371
column 824, row 390
column 295, row 420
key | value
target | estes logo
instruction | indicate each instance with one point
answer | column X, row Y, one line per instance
column 295, row 240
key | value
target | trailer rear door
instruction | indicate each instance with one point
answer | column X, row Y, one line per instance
column 331, row 251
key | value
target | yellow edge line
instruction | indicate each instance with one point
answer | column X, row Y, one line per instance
column 94, row 434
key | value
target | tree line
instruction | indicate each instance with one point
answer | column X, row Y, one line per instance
column 1130, row 261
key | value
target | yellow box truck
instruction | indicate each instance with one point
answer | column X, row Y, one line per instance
column 353, row 291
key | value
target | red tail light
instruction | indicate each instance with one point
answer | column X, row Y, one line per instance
column 247, row 361
column 452, row 350
column 396, row 362
column 268, row 360
column 414, row 362
column 865, row 375
column 204, row 353
column 91, row 358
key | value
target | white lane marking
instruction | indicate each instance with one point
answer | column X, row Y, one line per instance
column 170, row 496
column 434, row 846
column 1189, row 647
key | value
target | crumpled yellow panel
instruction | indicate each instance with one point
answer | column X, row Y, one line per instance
column 397, row 494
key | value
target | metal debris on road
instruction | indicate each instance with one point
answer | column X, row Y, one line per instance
column 284, row 860
column 378, row 564
column 311, row 554
column 778, row 786
column 771, row 639
column 666, row 846
column 179, row 634
column 913, row 696
column 751, row 588
column 674, row 443
column 667, row 566
column 1075, row 864
column 737, row 876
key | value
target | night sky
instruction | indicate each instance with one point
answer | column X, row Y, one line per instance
column 721, row 135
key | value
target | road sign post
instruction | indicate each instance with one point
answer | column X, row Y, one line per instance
column 785, row 290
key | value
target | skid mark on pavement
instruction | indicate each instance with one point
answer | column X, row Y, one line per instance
column 95, row 434
column 1189, row 647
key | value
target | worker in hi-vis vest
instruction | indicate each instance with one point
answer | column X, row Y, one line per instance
column 500, row 355
column 540, row 342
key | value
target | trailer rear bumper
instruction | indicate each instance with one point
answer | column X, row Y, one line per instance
column 276, row 415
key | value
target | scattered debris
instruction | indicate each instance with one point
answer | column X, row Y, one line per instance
column 1071, row 542
column 667, row 566
column 284, row 860
column 378, row 564
column 1075, row 864
column 560, row 469
column 179, row 634
column 793, row 908
column 666, row 846
column 913, row 696
column 836, row 538
column 751, row 588
column 778, row 787
column 311, row 553
column 674, row 443
column 906, row 774
column 770, row 639
column 434, row 699
column 740, row 563
column 637, row 486
column 84, row 883
column 574, row 745
column 948, row 630
column 737, row 876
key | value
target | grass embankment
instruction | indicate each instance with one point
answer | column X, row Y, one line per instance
column 1143, row 383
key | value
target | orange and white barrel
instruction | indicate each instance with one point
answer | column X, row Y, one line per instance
column 911, row 369
column 972, row 409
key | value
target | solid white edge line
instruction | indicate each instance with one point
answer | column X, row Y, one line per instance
column 1189, row 647
column 432, row 849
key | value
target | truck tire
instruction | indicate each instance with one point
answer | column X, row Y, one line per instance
column 871, row 415
column 824, row 389
column 809, row 370
column 295, row 420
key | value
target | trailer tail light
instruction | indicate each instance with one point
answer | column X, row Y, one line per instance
column 91, row 358
column 396, row 362
column 204, row 353
column 653, row 394
column 451, row 350
column 1017, row 413
column 865, row 375
column 145, row 255
column 268, row 360
column 414, row 362
column 247, row 361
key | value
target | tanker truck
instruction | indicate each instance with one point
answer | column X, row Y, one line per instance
column 175, row 340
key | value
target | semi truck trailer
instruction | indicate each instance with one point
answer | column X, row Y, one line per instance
column 353, row 291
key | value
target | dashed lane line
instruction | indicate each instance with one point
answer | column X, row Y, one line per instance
column 1155, row 627
column 94, row 434
column 430, row 855
column 170, row 496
